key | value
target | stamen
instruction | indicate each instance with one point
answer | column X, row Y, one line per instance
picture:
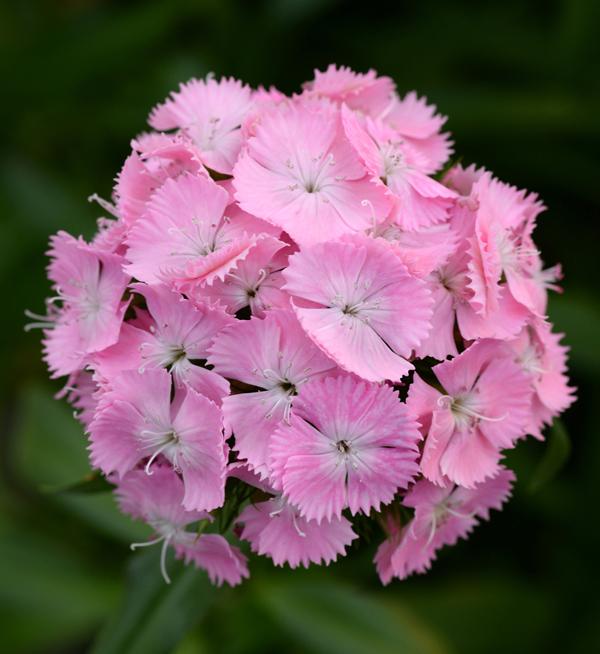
column 107, row 206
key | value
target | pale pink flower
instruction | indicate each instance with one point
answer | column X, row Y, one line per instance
column 502, row 247
column 357, row 301
column 276, row 529
column 483, row 408
column 421, row 252
column 256, row 283
column 157, row 500
column 185, row 238
column 349, row 444
column 442, row 516
column 365, row 92
column 274, row 358
column 419, row 124
column 300, row 173
column 136, row 420
column 210, row 113
column 154, row 159
column 89, row 285
column 418, row 200
column 541, row 355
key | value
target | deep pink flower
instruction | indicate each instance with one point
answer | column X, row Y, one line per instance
column 348, row 444
column 186, row 238
column 300, row 173
column 357, row 301
column 89, row 284
column 136, row 420
column 442, row 516
column 418, row 200
column 210, row 113
column 484, row 408
column 157, row 500
column 274, row 357
column 365, row 92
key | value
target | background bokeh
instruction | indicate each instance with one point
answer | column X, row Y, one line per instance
column 520, row 83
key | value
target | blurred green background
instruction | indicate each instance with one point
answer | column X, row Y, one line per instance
column 520, row 83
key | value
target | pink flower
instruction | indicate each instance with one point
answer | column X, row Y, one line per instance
column 256, row 281
column 157, row 500
column 155, row 158
column 442, row 516
column 89, row 284
column 356, row 300
column 419, row 201
column 274, row 358
column 365, row 92
column 136, row 420
column 276, row 529
column 483, row 407
column 544, row 360
column 349, row 444
column 185, row 238
column 502, row 247
column 300, row 173
column 420, row 125
column 210, row 113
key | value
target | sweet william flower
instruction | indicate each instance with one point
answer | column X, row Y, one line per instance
column 299, row 172
column 360, row 305
column 275, row 358
column 349, row 444
column 418, row 200
column 211, row 114
column 157, row 500
column 89, row 285
column 482, row 408
column 442, row 516
column 136, row 420
column 186, row 237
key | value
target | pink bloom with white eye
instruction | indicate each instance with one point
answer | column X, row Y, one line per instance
column 210, row 113
column 300, row 173
column 155, row 158
column 275, row 358
column 539, row 352
column 90, row 285
column 419, row 201
column 181, row 333
column 257, row 281
column 484, row 408
column 349, row 444
column 157, row 500
column 443, row 515
column 136, row 420
column 419, row 124
column 276, row 529
column 185, row 238
column 364, row 92
column 359, row 304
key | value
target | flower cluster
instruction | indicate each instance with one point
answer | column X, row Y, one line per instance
column 298, row 312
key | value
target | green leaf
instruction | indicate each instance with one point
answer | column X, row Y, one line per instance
column 331, row 618
column 557, row 452
column 154, row 616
